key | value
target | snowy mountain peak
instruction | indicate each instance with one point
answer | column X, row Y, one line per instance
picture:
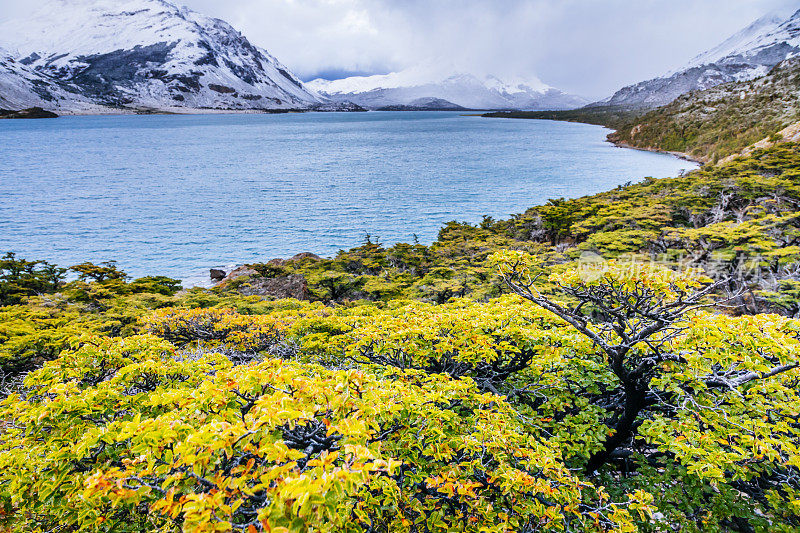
column 746, row 55
column 516, row 84
column 427, row 82
column 740, row 42
column 777, row 28
column 151, row 54
column 420, row 76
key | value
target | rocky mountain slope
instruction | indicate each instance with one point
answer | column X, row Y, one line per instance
column 469, row 91
column 747, row 55
column 140, row 54
column 715, row 123
column 23, row 87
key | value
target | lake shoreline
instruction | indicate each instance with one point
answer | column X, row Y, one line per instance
column 181, row 111
column 611, row 138
column 194, row 192
column 680, row 155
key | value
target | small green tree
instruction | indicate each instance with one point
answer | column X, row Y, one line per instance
column 20, row 278
column 105, row 271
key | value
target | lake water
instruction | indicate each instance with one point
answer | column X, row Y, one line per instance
column 175, row 195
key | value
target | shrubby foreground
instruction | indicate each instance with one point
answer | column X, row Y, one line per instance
column 619, row 395
column 416, row 417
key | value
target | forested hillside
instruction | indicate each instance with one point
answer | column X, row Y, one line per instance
column 621, row 362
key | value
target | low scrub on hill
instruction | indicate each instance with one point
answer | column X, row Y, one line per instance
column 713, row 124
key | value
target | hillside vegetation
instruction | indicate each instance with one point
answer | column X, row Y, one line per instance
column 738, row 220
column 706, row 126
column 713, row 124
column 566, row 369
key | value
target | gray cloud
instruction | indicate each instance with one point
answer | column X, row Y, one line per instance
column 589, row 47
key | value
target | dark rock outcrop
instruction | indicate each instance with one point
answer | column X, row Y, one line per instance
column 217, row 274
column 222, row 89
column 239, row 272
column 32, row 112
column 306, row 255
column 292, row 286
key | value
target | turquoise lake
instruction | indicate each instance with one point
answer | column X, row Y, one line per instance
column 176, row 195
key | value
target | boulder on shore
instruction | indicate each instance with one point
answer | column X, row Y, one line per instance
column 250, row 282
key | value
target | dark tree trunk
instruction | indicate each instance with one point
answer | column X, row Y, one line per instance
column 635, row 402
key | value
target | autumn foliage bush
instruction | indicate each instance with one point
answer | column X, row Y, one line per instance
column 161, row 441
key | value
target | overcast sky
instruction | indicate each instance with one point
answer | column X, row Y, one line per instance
column 588, row 47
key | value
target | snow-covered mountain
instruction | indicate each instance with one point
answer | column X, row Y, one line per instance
column 22, row 87
column 469, row 91
column 144, row 54
column 750, row 53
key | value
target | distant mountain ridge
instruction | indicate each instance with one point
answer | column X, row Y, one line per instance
column 750, row 53
column 140, row 54
column 430, row 83
column 425, row 104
